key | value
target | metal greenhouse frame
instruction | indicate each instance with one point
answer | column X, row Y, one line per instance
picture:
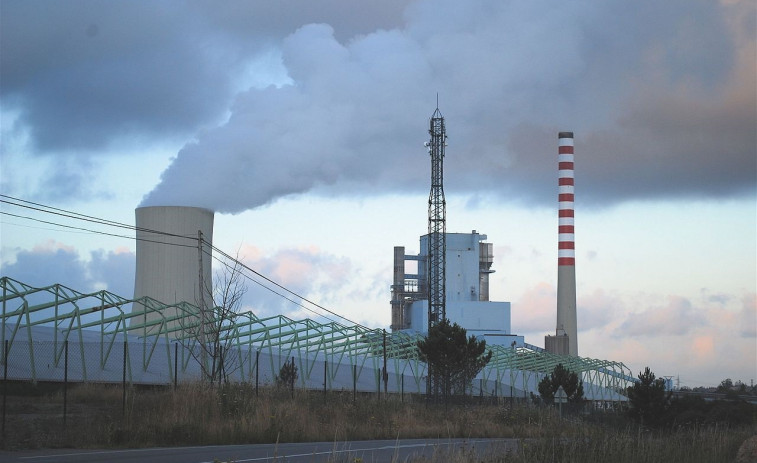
column 42, row 327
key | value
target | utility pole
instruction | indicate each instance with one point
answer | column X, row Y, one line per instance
column 203, row 315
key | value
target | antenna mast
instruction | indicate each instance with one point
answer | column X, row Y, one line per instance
column 437, row 243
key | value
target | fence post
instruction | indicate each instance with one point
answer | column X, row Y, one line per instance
column 5, row 381
column 293, row 376
column 325, row 375
column 65, row 383
column 385, row 373
column 354, row 382
column 175, row 365
column 123, row 383
column 257, row 370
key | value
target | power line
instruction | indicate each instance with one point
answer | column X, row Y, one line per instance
column 283, row 287
column 299, row 304
column 96, row 231
column 18, row 202
column 77, row 216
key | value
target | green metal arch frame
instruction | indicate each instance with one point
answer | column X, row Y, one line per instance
column 71, row 312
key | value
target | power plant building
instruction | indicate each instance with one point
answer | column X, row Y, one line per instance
column 469, row 261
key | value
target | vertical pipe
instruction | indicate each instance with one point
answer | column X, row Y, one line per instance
column 566, row 248
column 65, row 383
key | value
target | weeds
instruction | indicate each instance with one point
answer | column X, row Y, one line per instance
column 196, row 414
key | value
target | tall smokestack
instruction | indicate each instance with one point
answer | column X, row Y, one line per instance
column 172, row 265
column 566, row 248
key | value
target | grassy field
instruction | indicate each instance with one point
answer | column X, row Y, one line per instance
column 198, row 415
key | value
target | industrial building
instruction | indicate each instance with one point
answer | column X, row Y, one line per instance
column 469, row 262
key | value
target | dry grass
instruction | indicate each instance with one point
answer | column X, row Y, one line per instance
column 198, row 415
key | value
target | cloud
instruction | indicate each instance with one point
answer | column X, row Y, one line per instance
column 306, row 271
column 748, row 317
column 699, row 340
column 86, row 73
column 598, row 310
column 53, row 262
column 677, row 318
column 649, row 110
column 535, row 311
column 661, row 98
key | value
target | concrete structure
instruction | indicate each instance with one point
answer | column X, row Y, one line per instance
column 566, row 254
column 173, row 261
column 468, row 266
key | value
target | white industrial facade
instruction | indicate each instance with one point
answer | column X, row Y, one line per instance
column 468, row 266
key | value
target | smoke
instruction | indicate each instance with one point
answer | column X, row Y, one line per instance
column 509, row 75
column 668, row 85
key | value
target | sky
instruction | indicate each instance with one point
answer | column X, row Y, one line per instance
column 302, row 125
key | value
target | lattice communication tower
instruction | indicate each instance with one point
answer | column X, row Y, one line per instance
column 437, row 245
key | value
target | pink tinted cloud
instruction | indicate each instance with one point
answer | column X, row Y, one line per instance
column 678, row 317
column 535, row 310
column 598, row 309
column 52, row 246
column 303, row 269
column 748, row 316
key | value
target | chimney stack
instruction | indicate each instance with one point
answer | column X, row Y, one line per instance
column 566, row 249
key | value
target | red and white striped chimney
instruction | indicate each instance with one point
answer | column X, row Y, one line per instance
column 566, row 247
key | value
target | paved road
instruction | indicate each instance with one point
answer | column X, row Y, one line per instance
column 365, row 451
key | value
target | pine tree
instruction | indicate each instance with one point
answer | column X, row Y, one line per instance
column 453, row 357
column 648, row 400
column 569, row 381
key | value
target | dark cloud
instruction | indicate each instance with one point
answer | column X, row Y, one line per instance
column 85, row 73
column 661, row 97
column 68, row 178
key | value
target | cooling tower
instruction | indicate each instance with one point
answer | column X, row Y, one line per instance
column 566, row 253
column 170, row 264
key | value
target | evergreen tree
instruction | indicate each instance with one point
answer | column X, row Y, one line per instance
column 648, row 400
column 454, row 359
column 569, row 381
